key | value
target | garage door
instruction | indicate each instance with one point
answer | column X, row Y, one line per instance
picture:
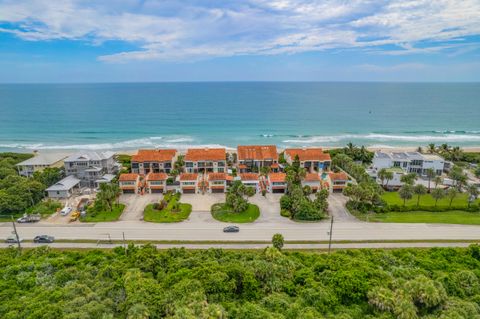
column 277, row 191
column 189, row 191
column 218, row 190
column 157, row 191
column 129, row 191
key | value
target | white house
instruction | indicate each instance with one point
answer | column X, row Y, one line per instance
column 39, row 162
column 64, row 188
column 90, row 166
column 410, row 162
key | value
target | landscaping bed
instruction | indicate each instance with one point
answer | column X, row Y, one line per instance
column 103, row 216
column 224, row 213
column 169, row 211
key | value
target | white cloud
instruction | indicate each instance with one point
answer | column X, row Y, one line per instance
column 181, row 30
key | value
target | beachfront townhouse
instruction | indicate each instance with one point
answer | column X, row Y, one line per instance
column 205, row 160
column 217, row 182
column 156, row 182
column 153, row 161
column 312, row 159
column 129, row 183
column 337, row 181
column 90, row 166
column 253, row 157
column 277, row 183
column 189, row 183
column 251, row 180
column 313, row 181
column 410, row 162
column 39, row 162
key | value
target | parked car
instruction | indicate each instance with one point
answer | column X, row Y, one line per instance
column 13, row 239
column 44, row 239
column 32, row 218
column 231, row 229
column 66, row 210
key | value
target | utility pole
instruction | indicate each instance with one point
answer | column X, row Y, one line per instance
column 330, row 233
column 16, row 235
column 124, row 243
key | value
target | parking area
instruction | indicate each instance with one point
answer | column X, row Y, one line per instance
column 135, row 204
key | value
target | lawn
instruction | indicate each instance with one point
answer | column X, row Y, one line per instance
column 44, row 208
column 166, row 215
column 94, row 217
column 448, row 217
column 224, row 213
column 392, row 198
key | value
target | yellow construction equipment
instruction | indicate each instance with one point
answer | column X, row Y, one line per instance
column 75, row 215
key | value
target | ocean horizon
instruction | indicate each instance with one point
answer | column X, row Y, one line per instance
column 122, row 116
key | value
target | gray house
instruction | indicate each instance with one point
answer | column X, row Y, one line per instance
column 64, row 188
column 90, row 166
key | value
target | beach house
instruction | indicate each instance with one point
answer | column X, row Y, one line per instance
column 90, row 166
column 189, row 183
column 313, row 181
column 312, row 159
column 217, row 182
column 156, row 182
column 253, row 157
column 337, row 181
column 250, row 180
column 129, row 183
column 64, row 188
column 153, row 161
column 276, row 182
column 205, row 160
column 410, row 162
column 39, row 162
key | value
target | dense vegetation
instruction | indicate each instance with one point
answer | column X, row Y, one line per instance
column 146, row 283
column 18, row 193
column 360, row 154
column 168, row 210
column 297, row 203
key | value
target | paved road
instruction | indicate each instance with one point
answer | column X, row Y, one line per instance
column 201, row 226
column 257, row 246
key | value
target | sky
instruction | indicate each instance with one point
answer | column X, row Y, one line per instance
column 243, row 40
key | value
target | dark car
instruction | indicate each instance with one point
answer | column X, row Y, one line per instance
column 231, row 229
column 43, row 239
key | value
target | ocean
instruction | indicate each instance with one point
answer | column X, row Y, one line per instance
column 181, row 115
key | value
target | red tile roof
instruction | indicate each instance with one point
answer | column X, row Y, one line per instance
column 312, row 177
column 188, row 176
column 205, row 154
column 128, row 177
column 277, row 177
column 308, row 154
column 156, row 176
column 217, row 176
column 249, row 176
column 340, row 176
column 257, row 152
column 154, row 155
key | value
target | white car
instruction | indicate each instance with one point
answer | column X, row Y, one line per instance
column 66, row 210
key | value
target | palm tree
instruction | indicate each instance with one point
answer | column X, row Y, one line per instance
column 472, row 191
column 405, row 192
column 408, row 178
column 444, row 148
column 382, row 175
column 419, row 190
column 451, row 194
column 456, row 153
column 437, row 194
column 430, row 172
column 388, row 177
column 431, row 148
column 350, row 149
column 437, row 180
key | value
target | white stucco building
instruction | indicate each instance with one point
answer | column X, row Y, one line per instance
column 410, row 162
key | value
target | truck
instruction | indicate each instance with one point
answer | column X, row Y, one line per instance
column 29, row 218
column 74, row 216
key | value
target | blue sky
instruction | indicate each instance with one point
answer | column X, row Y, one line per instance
column 248, row 40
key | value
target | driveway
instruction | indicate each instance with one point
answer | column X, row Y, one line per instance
column 202, row 202
column 135, row 204
column 337, row 209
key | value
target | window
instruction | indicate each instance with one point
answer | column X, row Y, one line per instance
column 188, row 183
